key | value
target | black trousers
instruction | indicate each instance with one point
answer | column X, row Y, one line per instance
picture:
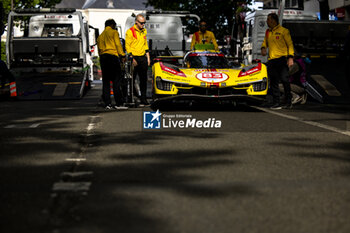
column 277, row 70
column 141, row 71
column 347, row 69
column 5, row 74
column 111, row 71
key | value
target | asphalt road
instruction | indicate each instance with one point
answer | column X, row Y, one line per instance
column 70, row 166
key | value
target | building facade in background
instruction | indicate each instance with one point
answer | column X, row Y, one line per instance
column 338, row 9
column 96, row 12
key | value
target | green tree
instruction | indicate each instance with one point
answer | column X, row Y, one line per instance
column 20, row 4
column 3, row 55
column 219, row 15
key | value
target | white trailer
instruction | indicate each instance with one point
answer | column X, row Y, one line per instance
column 165, row 29
column 256, row 27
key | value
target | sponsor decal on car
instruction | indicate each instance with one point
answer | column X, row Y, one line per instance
column 212, row 77
column 206, row 55
column 171, row 71
column 254, row 70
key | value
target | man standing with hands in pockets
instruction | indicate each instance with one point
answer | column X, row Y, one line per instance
column 136, row 45
column 110, row 49
column 281, row 53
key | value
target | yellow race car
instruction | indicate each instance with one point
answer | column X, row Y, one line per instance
column 207, row 74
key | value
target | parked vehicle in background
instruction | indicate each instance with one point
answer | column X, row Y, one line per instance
column 321, row 42
column 48, row 51
column 165, row 30
column 256, row 27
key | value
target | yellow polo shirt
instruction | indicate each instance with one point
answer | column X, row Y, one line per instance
column 279, row 42
column 136, row 41
column 208, row 36
column 109, row 42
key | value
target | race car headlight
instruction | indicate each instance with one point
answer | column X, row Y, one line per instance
column 260, row 86
column 163, row 85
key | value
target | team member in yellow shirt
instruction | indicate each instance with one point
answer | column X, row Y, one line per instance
column 136, row 45
column 281, row 52
column 203, row 36
column 110, row 49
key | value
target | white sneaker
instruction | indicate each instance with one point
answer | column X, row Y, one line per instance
column 297, row 99
column 120, row 107
column 108, row 107
column 304, row 98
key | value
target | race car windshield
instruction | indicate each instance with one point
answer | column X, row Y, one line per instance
column 208, row 62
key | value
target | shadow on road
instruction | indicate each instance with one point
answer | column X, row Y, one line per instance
column 121, row 198
column 304, row 147
column 131, row 188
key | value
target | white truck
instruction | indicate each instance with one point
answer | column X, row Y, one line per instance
column 48, row 52
column 165, row 29
column 256, row 27
column 320, row 40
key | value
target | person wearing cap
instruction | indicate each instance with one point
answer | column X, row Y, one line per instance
column 203, row 36
column 110, row 50
column 281, row 52
column 136, row 45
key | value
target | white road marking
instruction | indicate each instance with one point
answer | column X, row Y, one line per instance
column 74, row 183
column 75, row 159
column 22, row 126
column 91, row 125
column 34, row 125
column 77, row 174
column 71, row 186
column 313, row 123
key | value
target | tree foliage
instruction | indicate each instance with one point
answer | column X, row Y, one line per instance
column 20, row 4
column 219, row 15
